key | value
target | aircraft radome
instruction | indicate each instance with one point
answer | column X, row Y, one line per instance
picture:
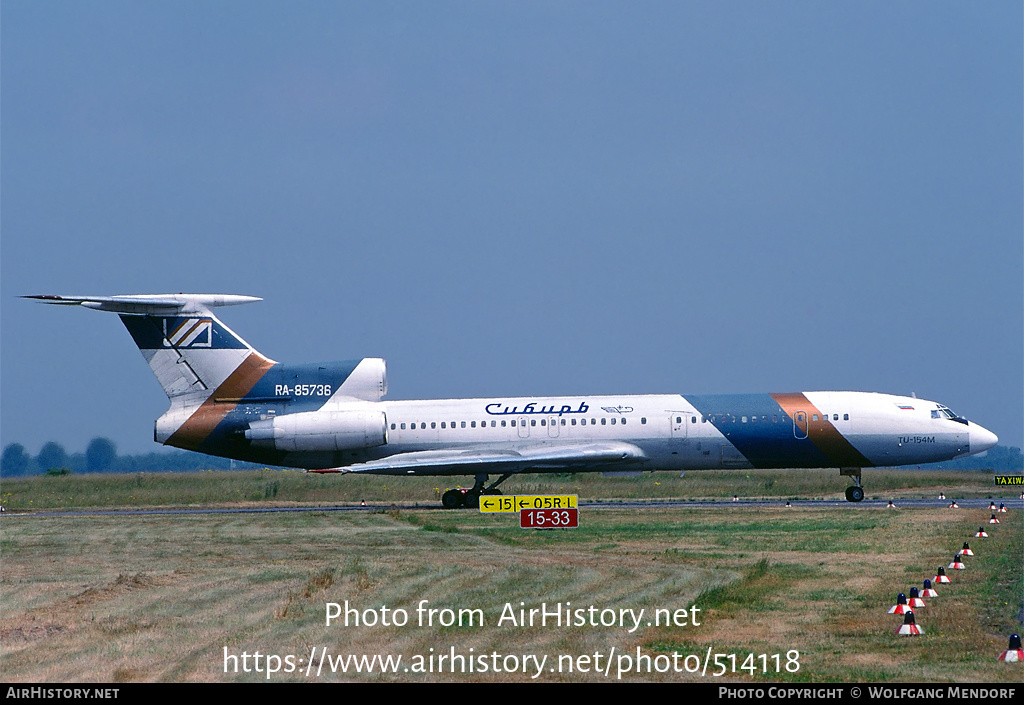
column 229, row 400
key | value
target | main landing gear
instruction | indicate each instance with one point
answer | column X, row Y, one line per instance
column 854, row 493
column 470, row 498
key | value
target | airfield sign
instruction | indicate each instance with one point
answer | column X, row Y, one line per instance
column 549, row 518
column 498, row 504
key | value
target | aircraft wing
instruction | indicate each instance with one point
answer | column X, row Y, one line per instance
column 467, row 461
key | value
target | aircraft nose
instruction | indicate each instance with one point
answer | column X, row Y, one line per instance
column 981, row 439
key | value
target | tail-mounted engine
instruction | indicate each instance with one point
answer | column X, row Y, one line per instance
column 320, row 430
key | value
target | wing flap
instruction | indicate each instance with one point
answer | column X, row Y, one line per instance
column 473, row 460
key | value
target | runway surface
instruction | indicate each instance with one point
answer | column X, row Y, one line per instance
column 1011, row 504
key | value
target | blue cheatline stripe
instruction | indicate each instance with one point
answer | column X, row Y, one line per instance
column 766, row 444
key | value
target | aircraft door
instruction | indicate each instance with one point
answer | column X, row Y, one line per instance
column 800, row 424
column 678, row 421
column 524, row 430
column 553, row 426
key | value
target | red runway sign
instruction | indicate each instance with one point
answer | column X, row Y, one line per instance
column 549, row 518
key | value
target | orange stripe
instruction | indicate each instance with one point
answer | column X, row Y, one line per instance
column 200, row 425
column 822, row 433
column 173, row 333
column 190, row 331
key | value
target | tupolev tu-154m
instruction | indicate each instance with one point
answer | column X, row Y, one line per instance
column 229, row 400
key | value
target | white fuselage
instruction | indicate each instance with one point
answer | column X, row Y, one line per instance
column 672, row 432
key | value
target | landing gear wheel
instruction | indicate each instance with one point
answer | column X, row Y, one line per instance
column 452, row 499
column 471, row 500
column 854, row 494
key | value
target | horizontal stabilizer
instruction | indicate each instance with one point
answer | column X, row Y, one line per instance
column 189, row 350
column 149, row 304
column 472, row 460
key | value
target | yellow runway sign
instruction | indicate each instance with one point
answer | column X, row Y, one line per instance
column 497, row 503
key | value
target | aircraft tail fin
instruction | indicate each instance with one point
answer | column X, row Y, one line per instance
column 188, row 348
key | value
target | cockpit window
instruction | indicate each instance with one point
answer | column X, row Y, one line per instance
column 944, row 412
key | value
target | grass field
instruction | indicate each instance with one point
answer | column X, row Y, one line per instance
column 164, row 598
column 283, row 487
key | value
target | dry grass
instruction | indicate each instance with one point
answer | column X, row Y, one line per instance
column 161, row 598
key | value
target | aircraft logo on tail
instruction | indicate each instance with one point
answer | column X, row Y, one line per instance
column 188, row 333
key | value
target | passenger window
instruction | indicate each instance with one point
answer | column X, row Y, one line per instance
column 643, row 420
column 623, row 422
column 463, row 424
column 503, row 423
column 604, row 421
column 472, row 424
column 403, row 426
column 846, row 417
column 433, row 424
column 814, row 417
column 392, row 427
column 613, row 421
column 533, row 422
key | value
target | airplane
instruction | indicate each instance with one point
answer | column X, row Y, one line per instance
column 226, row 399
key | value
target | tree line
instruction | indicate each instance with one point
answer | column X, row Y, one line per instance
column 101, row 456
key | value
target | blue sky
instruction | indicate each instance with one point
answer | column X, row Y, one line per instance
column 518, row 198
